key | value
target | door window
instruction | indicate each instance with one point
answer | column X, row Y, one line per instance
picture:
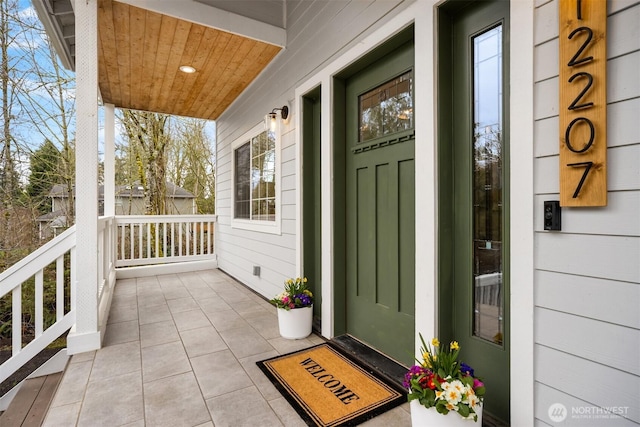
column 386, row 109
column 487, row 185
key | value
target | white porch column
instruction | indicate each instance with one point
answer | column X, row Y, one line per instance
column 109, row 160
column 85, row 335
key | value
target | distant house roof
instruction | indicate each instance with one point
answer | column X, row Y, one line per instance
column 134, row 191
column 56, row 219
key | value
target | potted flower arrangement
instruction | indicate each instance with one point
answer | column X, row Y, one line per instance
column 439, row 384
column 295, row 309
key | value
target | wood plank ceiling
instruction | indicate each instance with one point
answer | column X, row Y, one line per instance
column 140, row 53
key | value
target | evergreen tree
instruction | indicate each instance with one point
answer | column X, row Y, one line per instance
column 44, row 163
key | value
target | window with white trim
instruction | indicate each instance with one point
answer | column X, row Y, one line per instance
column 255, row 181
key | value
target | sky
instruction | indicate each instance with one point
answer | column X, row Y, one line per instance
column 30, row 131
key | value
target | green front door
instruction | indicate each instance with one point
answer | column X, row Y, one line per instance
column 474, row 203
column 379, row 207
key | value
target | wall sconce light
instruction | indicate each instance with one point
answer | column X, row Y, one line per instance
column 270, row 119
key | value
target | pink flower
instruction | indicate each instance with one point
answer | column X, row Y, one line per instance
column 477, row 383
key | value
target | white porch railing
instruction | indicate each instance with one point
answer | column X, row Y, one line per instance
column 147, row 240
column 54, row 259
column 128, row 246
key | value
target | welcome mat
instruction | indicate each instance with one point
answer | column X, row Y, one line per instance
column 328, row 388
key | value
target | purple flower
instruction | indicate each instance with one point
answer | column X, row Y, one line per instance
column 466, row 369
column 414, row 371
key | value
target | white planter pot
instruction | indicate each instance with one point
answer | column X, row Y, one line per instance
column 296, row 323
column 426, row 417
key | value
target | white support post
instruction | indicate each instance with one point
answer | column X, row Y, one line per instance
column 85, row 334
column 109, row 160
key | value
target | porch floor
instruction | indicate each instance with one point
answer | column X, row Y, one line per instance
column 180, row 350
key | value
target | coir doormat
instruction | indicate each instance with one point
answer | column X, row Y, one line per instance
column 328, row 388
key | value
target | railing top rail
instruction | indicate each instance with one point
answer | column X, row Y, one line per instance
column 128, row 219
column 37, row 260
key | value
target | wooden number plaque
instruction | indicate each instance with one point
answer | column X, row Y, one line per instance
column 583, row 103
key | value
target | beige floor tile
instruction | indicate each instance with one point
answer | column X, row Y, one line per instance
column 176, row 293
column 151, row 299
column 245, row 341
column 122, row 332
column 73, row 384
column 178, row 305
column 226, row 319
column 219, row 373
column 175, row 401
column 191, row 319
column 158, row 333
column 198, row 342
column 284, row 345
column 83, row 357
column 153, row 314
column 164, row 360
column 168, row 281
column 66, row 415
column 123, row 312
column 260, row 380
column 113, row 401
column 266, row 324
column 232, row 409
column 396, row 417
column 202, row 293
column 212, row 305
column 285, row 412
column 116, row 360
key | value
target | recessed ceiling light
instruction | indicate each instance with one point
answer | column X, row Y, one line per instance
column 187, row 69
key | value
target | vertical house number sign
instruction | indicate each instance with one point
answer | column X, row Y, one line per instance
column 583, row 103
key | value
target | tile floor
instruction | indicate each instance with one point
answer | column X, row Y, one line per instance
column 180, row 350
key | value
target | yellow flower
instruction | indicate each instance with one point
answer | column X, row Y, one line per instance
column 434, row 357
column 304, row 280
column 435, row 342
column 454, row 345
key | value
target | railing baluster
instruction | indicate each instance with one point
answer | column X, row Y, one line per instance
column 201, row 238
column 59, row 288
column 132, row 241
column 16, row 319
column 173, row 239
column 38, row 302
column 164, row 238
column 140, row 234
column 179, row 239
column 188, row 231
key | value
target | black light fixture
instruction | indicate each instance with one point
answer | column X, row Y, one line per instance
column 273, row 116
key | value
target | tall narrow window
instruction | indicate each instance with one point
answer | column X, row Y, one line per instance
column 487, row 185
column 255, row 173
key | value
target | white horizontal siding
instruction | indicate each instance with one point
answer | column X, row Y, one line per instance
column 619, row 116
column 589, row 381
column 576, row 409
column 623, row 172
column 619, row 218
column 589, row 297
column 587, row 279
column 594, row 340
column 316, row 32
column 612, row 257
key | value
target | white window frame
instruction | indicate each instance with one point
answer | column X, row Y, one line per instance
column 272, row 227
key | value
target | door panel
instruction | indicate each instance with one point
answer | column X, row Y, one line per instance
column 379, row 208
column 475, row 264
